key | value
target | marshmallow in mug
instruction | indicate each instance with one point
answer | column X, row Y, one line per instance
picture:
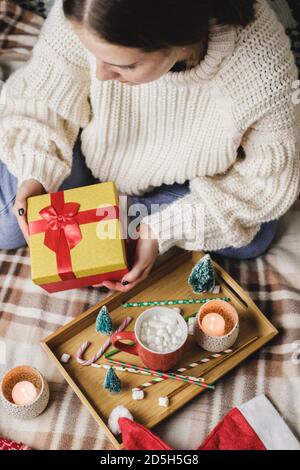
column 162, row 333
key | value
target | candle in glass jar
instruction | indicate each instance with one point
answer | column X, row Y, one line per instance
column 213, row 324
column 24, row 393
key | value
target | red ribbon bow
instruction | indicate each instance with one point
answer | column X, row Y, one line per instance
column 62, row 226
column 61, row 223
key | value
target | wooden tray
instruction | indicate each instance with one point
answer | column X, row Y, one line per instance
column 167, row 281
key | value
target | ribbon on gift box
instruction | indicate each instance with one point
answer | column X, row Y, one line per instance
column 61, row 224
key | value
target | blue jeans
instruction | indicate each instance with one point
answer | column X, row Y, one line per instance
column 11, row 237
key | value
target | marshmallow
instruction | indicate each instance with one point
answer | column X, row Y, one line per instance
column 169, row 320
column 216, row 290
column 137, row 394
column 191, row 322
column 161, row 333
column 163, row 401
column 156, row 324
column 171, row 329
column 65, row 358
column 144, row 338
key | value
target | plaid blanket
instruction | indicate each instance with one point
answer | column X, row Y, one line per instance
column 40, row 7
column 19, row 30
column 27, row 315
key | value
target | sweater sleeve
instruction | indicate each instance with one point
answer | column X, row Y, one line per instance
column 227, row 210
column 44, row 104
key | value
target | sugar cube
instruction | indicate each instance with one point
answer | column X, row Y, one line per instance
column 191, row 322
column 163, row 401
column 137, row 394
column 65, row 358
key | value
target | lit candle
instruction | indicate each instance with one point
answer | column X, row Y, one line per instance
column 24, row 393
column 213, row 324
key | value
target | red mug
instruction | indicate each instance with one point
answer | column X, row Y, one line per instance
column 162, row 361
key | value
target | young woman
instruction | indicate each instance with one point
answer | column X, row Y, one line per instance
column 187, row 106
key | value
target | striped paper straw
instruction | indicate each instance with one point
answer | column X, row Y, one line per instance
column 116, row 351
column 172, row 302
column 104, row 347
column 166, row 375
column 137, row 371
column 192, row 365
column 120, row 369
column 205, row 360
column 216, row 363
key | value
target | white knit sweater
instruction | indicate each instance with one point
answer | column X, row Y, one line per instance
column 184, row 126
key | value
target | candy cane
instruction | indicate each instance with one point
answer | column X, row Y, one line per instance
column 84, row 346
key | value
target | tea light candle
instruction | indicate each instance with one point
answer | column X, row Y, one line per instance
column 24, row 393
column 213, row 324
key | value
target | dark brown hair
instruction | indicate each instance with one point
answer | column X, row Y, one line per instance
column 152, row 25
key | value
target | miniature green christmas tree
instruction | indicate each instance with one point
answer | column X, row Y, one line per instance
column 202, row 278
column 103, row 322
column 112, row 381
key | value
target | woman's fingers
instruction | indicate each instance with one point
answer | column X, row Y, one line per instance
column 27, row 189
column 20, row 211
column 118, row 286
column 135, row 273
column 141, row 278
column 111, row 285
column 24, row 227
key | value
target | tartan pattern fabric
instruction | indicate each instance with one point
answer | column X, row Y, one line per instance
column 28, row 315
column 19, row 30
column 40, row 7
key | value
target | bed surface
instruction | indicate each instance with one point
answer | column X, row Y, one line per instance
column 27, row 315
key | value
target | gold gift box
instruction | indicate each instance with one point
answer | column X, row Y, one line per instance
column 99, row 255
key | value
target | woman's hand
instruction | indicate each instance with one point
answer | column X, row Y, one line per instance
column 27, row 189
column 145, row 256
